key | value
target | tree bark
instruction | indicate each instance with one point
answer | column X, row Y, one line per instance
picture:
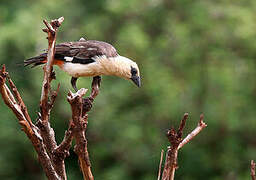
column 51, row 156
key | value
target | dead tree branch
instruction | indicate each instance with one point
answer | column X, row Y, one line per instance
column 33, row 133
column 160, row 165
column 79, row 108
column 51, row 156
column 253, row 170
column 52, row 34
column 197, row 130
column 45, row 106
column 176, row 141
column 43, row 123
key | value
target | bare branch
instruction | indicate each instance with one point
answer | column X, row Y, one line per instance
column 175, row 138
column 43, row 122
column 47, row 132
column 49, row 26
column 253, row 170
column 8, row 97
column 182, row 125
column 48, row 135
column 160, row 165
column 52, row 34
column 62, row 151
column 80, row 121
column 50, row 155
column 54, row 95
column 27, row 126
column 19, row 99
column 201, row 125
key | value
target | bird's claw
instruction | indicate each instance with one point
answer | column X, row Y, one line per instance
column 73, row 82
column 95, row 86
column 96, row 81
column 87, row 102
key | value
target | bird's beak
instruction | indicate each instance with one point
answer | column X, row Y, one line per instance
column 136, row 80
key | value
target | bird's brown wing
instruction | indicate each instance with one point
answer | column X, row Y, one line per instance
column 77, row 51
column 83, row 52
column 86, row 49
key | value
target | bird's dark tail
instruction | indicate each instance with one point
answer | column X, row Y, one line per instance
column 35, row 61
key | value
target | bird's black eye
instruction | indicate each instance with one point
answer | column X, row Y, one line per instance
column 133, row 71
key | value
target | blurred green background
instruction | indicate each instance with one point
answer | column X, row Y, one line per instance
column 195, row 56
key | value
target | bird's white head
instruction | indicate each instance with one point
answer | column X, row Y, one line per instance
column 126, row 68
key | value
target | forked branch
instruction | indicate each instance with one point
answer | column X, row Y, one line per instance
column 176, row 141
column 48, row 69
column 13, row 100
column 80, row 106
column 51, row 156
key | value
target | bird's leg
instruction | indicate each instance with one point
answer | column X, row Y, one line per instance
column 87, row 102
column 73, row 83
column 95, row 86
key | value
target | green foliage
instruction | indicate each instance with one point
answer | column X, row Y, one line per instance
column 194, row 56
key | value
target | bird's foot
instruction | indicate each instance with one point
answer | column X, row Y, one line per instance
column 73, row 83
column 87, row 102
column 95, row 86
column 96, row 81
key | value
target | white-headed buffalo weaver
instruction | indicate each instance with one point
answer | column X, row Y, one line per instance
column 90, row 58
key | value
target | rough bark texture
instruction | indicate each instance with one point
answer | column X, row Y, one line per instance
column 51, row 156
column 80, row 106
column 14, row 102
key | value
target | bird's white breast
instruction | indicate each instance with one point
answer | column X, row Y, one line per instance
column 101, row 66
column 77, row 70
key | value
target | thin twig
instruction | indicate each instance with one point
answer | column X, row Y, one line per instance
column 182, row 125
column 160, row 165
column 19, row 99
column 49, row 26
column 253, row 170
column 201, row 125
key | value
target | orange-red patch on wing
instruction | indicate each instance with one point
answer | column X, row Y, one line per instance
column 44, row 61
column 58, row 62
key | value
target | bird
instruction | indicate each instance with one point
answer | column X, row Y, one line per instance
column 89, row 58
